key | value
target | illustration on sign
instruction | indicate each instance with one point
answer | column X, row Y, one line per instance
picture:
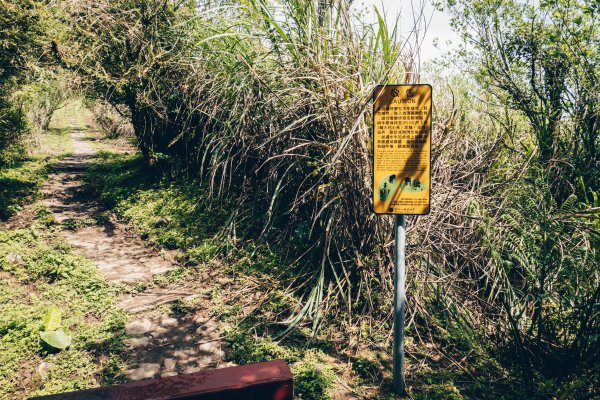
column 390, row 185
column 402, row 149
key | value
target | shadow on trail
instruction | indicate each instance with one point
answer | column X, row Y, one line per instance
column 64, row 192
column 13, row 193
column 18, row 185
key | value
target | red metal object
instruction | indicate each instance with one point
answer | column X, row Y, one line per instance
column 269, row 381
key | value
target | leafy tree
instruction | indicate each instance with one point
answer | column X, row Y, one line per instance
column 127, row 52
column 545, row 62
column 20, row 32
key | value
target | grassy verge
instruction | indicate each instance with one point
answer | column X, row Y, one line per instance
column 19, row 184
column 38, row 272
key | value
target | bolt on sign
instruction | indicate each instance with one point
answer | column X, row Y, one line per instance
column 402, row 149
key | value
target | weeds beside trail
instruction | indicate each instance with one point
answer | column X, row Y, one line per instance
column 248, row 284
column 244, row 282
column 253, row 189
column 39, row 271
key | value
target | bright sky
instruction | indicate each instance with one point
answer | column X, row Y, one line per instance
column 438, row 29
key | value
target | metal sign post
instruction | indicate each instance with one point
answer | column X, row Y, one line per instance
column 401, row 181
column 399, row 304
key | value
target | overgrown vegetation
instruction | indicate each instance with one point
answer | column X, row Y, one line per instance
column 19, row 184
column 19, row 31
column 254, row 119
column 31, row 87
column 39, row 273
column 177, row 214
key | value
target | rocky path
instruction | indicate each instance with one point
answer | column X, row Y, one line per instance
column 161, row 343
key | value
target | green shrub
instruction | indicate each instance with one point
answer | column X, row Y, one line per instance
column 313, row 379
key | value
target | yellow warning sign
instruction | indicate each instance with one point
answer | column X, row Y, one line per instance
column 402, row 149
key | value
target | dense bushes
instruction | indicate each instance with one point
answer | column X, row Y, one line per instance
column 30, row 88
column 254, row 97
column 18, row 33
column 540, row 224
column 270, row 103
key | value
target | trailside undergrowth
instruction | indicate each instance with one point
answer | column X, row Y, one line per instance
column 18, row 185
column 175, row 214
column 40, row 273
column 173, row 211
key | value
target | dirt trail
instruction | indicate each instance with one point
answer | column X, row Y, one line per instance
column 160, row 344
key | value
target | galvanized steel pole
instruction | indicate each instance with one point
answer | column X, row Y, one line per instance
column 399, row 304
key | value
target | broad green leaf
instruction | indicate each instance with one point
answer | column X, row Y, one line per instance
column 58, row 339
column 52, row 319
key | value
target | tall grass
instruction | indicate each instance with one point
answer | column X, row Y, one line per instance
column 292, row 113
column 270, row 103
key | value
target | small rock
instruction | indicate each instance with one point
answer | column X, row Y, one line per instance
column 182, row 355
column 138, row 342
column 224, row 281
column 170, row 364
column 208, row 347
column 42, row 370
column 200, row 320
column 145, row 371
column 161, row 221
column 208, row 361
column 158, row 331
column 191, row 369
column 169, row 322
column 138, row 327
column 15, row 258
